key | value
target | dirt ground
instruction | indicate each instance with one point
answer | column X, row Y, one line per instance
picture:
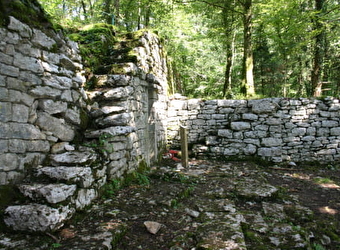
column 264, row 207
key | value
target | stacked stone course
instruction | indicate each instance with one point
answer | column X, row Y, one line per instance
column 59, row 144
column 275, row 129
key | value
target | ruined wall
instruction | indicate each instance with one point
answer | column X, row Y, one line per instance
column 41, row 99
column 275, row 129
column 59, row 144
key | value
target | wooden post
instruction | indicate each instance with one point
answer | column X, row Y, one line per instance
column 184, row 145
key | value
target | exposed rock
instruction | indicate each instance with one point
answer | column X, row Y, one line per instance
column 152, row 226
column 78, row 175
column 53, row 193
column 74, row 158
column 36, row 218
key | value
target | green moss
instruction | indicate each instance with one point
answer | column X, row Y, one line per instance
column 27, row 11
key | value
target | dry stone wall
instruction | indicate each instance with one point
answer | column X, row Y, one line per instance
column 59, row 144
column 275, row 129
column 41, row 99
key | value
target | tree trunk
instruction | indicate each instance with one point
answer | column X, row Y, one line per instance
column 227, row 76
column 83, row 5
column 117, row 11
column 107, row 11
column 247, row 87
column 318, row 56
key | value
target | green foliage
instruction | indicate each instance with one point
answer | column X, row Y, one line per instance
column 102, row 144
column 318, row 247
column 202, row 36
column 96, row 42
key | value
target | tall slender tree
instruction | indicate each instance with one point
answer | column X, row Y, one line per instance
column 319, row 49
column 248, row 87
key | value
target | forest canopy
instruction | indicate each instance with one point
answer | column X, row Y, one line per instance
column 229, row 49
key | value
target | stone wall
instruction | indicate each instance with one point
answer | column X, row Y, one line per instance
column 41, row 99
column 276, row 129
column 60, row 144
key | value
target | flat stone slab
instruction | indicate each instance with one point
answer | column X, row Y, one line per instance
column 36, row 217
column 81, row 176
column 254, row 189
column 73, row 158
column 52, row 193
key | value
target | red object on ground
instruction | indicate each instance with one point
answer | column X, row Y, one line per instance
column 171, row 154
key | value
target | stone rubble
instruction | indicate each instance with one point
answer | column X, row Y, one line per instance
column 146, row 217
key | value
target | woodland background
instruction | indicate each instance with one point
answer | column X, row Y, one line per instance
column 229, row 48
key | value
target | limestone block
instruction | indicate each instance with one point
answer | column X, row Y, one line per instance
column 118, row 93
column 8, row 70
column 17, row 146
column 335, row 131
column 50, row 57
column 74, row 158
column 252, row 141
column 20, row 97
column 41, row 39
column 24, row 131
column 328, row 151
column 45, row 92
column 179, row 104
column 36, row 218
column 115, row 167
column 3, row 81
column 323, row 132
column 7, row 59
column 299, row 131
column 20, row 113
column 250, row 149
column 85, row 197
column 5, row 111
column 311, row 131
column 38, row 146
column 52, row 193
column 211, row 140
column 73, row 115
column 29, row 78
column 67, row 63
column 268, row 152
column 81, row 176
column 114, row 120
column 273, row 121
column 231, row 103
column 251, row 117
column 9, row 162
column 58, row 127
column 58, row 82
column 240, row 125
column 28, row 63
column 264, row 106
column 106, row 110
column 23, row 29
column 330, row 123
column 308, row 138
column 271, row 142
column 114, row 80
column 113, row 131
column 52, row 107
column 231, row 151
column 225, row 133
column 4, row 148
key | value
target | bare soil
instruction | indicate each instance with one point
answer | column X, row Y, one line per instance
column 309, row 198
